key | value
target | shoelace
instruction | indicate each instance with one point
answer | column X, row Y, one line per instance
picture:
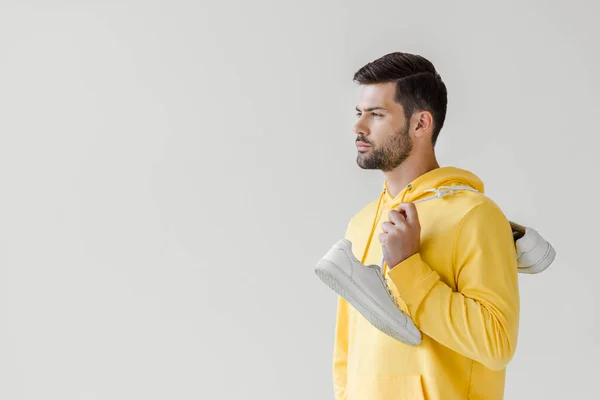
column 390, row 292
column 443, row 191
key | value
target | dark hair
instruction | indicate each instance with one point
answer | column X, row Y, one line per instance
column 418, row 85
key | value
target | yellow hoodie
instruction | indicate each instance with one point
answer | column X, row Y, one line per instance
column 461, row 290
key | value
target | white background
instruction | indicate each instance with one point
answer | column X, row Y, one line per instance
column 171, row 172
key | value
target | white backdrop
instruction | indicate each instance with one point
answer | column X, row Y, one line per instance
column 171, row 172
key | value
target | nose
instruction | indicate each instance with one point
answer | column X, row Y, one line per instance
column 360, row 128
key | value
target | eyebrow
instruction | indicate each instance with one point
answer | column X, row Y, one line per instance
column 371, row 109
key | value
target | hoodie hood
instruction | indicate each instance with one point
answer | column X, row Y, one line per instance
column 434, row 181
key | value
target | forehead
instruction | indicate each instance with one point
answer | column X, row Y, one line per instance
column 378, row 95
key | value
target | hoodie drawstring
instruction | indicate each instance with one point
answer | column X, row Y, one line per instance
column 362, row 261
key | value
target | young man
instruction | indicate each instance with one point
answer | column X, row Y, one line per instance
column 450, row 263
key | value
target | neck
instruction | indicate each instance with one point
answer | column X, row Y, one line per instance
column 414, row 166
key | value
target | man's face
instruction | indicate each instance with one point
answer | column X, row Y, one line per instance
column 382, row 127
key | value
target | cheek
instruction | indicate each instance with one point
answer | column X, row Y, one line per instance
column 380, row 137
column 383, row 130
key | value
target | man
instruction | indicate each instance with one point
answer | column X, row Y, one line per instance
column 450, row 264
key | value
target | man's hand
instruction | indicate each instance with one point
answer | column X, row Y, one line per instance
column 401, row 237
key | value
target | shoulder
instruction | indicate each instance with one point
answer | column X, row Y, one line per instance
column 471, row 206
column 362, row 219
column 480, row 219
column 367, row 211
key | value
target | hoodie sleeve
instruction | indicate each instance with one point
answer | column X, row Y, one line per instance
column 480, row 320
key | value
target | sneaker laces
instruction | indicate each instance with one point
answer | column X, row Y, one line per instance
column 389, row 290
column 443, row 191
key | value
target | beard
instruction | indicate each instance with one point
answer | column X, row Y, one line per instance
column 389, row 155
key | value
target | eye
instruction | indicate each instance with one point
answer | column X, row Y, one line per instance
column 358, row 114
column 377, row 115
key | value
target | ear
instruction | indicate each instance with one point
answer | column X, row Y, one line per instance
column 423, row 121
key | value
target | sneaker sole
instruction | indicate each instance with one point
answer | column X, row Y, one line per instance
column 341, row 280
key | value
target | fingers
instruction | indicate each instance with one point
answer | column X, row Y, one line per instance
column 388, row 227
column 401, row 218
column 396, row 218
column 410, row 210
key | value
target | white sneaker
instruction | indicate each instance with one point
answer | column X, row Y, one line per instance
column 534, row 253
column 364, row 287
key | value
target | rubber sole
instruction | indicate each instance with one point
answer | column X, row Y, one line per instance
column 365, row 310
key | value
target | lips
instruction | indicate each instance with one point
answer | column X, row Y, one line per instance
column 362, row 145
